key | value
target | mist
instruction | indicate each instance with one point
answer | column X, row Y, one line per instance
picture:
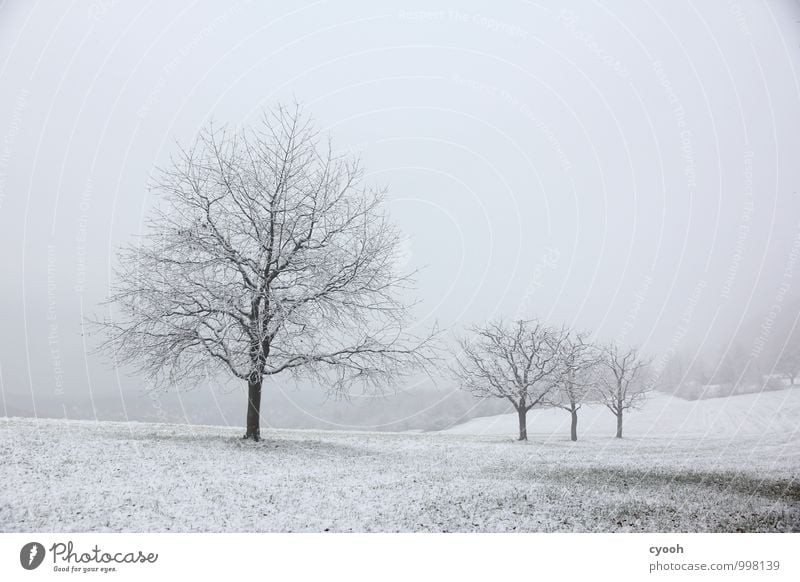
column 633, row 173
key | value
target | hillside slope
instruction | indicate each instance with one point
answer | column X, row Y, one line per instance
column 662, row 416
column 80, row 476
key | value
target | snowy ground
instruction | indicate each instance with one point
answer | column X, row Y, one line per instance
column 662, row 415
column 84, row 476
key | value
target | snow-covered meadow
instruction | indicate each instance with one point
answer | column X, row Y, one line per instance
column 733, row 475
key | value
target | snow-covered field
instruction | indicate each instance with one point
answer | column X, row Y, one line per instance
column 728, row 475
column 662, row 415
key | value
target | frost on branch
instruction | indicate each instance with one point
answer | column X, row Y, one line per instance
column 266, row 255
column 519, row 362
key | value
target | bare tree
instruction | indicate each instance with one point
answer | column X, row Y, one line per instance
column 517, row 362
column 624, row 385
column 265, row 256
column 576, row 378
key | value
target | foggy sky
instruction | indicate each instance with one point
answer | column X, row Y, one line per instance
column 629, row 168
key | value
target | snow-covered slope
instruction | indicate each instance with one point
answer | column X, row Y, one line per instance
column 661, row 415
column 76, row 476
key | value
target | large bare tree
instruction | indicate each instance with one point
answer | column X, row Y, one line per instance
column 518, row 362
column 266, row 255
column 576, row 377
column 624, row 384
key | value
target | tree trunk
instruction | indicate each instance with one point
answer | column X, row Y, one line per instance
column 253, row 410
column 523, row 423
column 573, row 429
column 619, row 424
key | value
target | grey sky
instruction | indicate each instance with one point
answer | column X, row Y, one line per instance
column 631, row 168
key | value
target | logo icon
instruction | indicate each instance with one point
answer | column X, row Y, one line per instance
column 31, row 555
